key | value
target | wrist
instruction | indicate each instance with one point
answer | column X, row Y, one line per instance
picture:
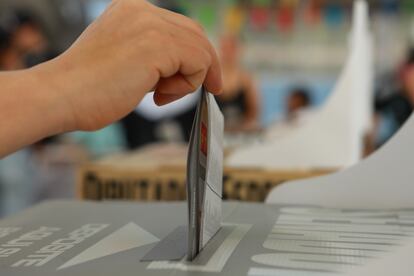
column 50, row 96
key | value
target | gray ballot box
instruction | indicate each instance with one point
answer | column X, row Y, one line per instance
column 88, row 239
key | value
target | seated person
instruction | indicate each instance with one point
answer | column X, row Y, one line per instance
column 239, row 101
column 393, row 109
column 298, row 110
column 298, row 102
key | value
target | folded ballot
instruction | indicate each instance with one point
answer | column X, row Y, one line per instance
column 204, row 175
column 204, row 187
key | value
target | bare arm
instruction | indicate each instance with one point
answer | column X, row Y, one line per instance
column 131, row 49
column 251, row 119
column 28, row 110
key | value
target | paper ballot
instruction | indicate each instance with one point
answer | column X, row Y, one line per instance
column 204, row 174
column 204, row 187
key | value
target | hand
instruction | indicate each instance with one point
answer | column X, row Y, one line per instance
column 133, row 48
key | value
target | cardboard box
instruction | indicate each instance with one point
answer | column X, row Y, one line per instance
column 158, row 173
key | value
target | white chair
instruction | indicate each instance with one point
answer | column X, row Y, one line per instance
column 333, row 138
column 383, row 180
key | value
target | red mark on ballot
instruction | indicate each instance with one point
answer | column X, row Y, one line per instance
column 203, row 139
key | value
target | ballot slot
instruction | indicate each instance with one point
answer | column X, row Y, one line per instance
column 204, row 186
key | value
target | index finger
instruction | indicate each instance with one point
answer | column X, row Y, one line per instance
column 214, row 80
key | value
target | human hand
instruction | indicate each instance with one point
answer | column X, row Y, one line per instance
column 133, row 48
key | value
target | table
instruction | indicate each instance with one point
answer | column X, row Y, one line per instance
column 105, row 239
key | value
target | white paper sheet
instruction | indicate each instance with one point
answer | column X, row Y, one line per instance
column 205, row 175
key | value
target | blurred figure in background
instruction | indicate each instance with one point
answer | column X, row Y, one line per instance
column 23, row 42
column 239, row 101
column 30, row 40
column 10, row 58
column 298, row 102
column 393, row 109
column 298, row 111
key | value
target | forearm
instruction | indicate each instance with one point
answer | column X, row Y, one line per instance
column 29, row 109
column 132, row 48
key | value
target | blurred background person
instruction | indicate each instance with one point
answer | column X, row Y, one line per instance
column 10, row 58
column 298, row 110
column 24, row 42
column 298, row 102
column 29, row 38
column 240, row 101
column 394, row 107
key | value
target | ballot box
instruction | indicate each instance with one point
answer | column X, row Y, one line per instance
column 158, row 172
column 111, row 238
